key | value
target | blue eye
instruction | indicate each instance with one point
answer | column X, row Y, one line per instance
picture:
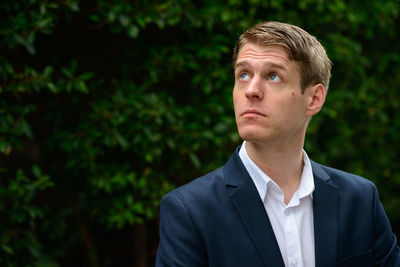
column 274, row 78
column 244, row 76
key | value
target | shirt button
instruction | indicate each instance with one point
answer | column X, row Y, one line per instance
column 286, row 212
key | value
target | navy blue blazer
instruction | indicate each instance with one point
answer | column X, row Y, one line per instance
column 220, row 220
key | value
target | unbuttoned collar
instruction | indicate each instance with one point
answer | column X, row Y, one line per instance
column 262, row 180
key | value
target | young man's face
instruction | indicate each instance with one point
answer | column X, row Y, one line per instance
column 267, row 96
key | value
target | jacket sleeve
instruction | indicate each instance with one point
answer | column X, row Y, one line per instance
column 386, row 249
column 180, row 243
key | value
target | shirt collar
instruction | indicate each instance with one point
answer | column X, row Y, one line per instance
column 262, row 180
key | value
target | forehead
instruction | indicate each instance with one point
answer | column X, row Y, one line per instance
column 272, row 53
column 251, row 54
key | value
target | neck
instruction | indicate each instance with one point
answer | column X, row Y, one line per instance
column 282, row 163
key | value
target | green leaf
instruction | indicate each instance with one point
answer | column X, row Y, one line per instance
column 36, row 171
column 7, row 249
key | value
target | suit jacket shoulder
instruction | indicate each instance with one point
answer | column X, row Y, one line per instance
column 201, row 187
column 348, row 182
column 339, row 174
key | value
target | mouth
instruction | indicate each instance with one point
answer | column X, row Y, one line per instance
column 252, row 113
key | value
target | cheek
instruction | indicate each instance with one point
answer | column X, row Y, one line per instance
column 290, row 106
column 237, row 99
column 295, row 106
column 235, row 102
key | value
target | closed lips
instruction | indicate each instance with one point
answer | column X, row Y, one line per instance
column 252, row 112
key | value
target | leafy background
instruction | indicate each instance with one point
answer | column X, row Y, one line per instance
column 107, row 105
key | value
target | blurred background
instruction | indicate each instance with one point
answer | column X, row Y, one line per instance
column 107, row 105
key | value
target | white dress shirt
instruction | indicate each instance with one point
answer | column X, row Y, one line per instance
column 293, row 223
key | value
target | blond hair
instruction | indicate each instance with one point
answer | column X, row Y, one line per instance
column 315, row 66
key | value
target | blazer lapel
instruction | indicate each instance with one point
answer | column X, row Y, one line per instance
column 325, row 203
column 251, row 211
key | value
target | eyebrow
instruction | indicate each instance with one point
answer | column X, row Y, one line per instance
column 273, row 65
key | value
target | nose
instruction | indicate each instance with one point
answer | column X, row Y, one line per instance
column 254, row 89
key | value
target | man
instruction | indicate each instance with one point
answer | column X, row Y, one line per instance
column 269, row 205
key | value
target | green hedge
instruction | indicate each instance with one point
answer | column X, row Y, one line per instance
column 107, row 105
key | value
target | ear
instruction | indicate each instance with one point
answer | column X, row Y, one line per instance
column 316, row 99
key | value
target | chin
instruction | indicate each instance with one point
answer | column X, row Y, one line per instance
column 250, row 135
